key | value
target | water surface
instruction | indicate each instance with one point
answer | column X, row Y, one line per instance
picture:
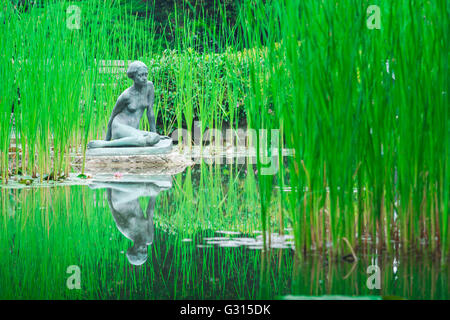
column 195, row 235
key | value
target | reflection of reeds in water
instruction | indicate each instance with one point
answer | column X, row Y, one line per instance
column 44, row 231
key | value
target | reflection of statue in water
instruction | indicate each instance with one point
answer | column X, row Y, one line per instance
column 123, row 126
column 123, row 200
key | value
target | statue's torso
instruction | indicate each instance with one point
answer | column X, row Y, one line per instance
column 136, row 103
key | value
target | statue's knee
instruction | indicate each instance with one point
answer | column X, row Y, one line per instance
column 152, row 139
column 141, row 140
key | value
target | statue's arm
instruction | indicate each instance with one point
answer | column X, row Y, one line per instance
column 120, row 105
column 150, row 112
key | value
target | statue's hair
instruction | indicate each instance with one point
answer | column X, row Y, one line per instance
column 136, row 258
column 134, row 67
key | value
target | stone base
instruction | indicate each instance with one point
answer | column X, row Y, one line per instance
column 162, row 147
column 161, row 164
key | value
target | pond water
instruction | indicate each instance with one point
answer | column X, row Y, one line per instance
column 194, row 235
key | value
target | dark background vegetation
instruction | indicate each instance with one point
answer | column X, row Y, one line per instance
column 209, row 16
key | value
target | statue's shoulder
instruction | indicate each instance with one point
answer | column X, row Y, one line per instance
column 125, row 95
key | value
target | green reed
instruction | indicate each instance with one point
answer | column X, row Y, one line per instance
column 352, row 125
column 56, row 72
column 7, row 93
column 68, row 80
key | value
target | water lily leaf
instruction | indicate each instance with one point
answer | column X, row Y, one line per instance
column 26, row 180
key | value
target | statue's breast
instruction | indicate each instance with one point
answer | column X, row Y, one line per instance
column 133, row 106
column 136, row 105
column 138, row 102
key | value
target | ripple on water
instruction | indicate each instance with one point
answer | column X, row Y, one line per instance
column 228, row 232
column 274, row 241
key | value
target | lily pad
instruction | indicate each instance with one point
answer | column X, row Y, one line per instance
column 26, row 180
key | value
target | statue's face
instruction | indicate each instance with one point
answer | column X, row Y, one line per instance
column 141, row 76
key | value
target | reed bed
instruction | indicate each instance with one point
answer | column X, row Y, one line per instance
column 364, row 110
column 61, row 81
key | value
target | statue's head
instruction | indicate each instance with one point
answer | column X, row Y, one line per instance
column 138, row 72
column 137, row 254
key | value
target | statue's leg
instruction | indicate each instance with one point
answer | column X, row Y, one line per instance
column 126, row 136
column 152, row 138
column 124, row 142
column 139, row 141
column 96, row 144
column 143, row 138
column 149, row 139
column 120, row 130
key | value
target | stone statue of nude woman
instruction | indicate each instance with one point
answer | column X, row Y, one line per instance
column 123, row 126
